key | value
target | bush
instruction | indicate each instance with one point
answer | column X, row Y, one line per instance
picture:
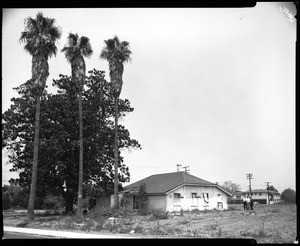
column 6, row 200
column 142, row 199
column 98, row 212
column 160, row 214
column 288, row 196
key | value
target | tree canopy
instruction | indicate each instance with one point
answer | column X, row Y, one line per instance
column 59, row 147
column 230, row 186
column 288, row 195
column 272, row 188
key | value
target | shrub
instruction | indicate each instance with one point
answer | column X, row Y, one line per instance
column 288, row 196
column 160, row 214
column 98, row 212
column 89, row 225
column 183, row 222
column 6, row 200
column 195, row 211
column 142, row 199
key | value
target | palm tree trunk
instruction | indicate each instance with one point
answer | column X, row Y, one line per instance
column 30, row 211
column 116, row 150
column 80, row 184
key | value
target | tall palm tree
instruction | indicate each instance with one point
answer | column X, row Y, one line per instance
column 40, row 38
column 75, row 50
column 116, row 53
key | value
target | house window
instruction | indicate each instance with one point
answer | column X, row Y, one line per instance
column 259, row 194
column 205, row 197
column 178, row 195
column 195, row 195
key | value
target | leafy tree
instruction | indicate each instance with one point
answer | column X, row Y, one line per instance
column 40, row 36
column 75, row 50
column 272, row 188
column 230, row 186
column 116, row 53
column 288, row 195
column 59, row 148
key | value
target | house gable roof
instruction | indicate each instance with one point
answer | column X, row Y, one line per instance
column 162, row 183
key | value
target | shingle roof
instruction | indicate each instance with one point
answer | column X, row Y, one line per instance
column 162, row 183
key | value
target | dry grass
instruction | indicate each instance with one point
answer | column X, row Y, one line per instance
column 266, row 224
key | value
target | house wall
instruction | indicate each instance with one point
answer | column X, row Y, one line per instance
column 157, row 202
column 189, row 203
column 153, row 203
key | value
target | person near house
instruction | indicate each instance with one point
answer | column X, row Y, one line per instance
column 251, row 204
column 247, row 203
column 244, row 203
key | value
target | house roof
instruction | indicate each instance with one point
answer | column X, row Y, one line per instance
column 165, row 182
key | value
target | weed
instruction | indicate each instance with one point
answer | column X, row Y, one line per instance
column 105, row 212
column 160, row 214
column 195, row 211
column 99, row 227
column 90, row 223
column 195, row 233
column 152, row 218
column 213, row 226
column 275, row 211
column 260, row 233
column 178, row 231
column 183, row 222
column 69, row 223
column 219, row 233
column 232, row 208
column 139, row 229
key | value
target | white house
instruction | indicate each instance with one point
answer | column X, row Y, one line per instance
column 175, row 191
column 261, row 196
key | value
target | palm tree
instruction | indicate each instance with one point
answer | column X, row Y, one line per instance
column 75, row 50
column 116, row 53
column 40, row 38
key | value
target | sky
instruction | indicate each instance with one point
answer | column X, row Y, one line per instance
column 212, row 88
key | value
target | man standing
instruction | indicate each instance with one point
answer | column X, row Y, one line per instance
column 247, row 203
column 251, row 204
column 244, row 202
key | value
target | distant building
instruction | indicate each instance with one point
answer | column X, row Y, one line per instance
column 258, row 195
column 175, row 191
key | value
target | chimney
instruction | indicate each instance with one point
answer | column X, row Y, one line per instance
column 178, row 167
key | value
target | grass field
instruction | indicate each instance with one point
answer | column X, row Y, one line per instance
column 265, row 224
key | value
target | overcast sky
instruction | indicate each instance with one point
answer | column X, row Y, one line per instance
column 212, row 89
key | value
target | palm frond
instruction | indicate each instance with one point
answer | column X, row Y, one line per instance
column 72, row 38
column 115, row 49
column 40, row 35
column 77, row 46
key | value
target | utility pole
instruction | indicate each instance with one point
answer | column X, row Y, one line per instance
column 186, row 169
column 268, row 192
column 249, row 176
